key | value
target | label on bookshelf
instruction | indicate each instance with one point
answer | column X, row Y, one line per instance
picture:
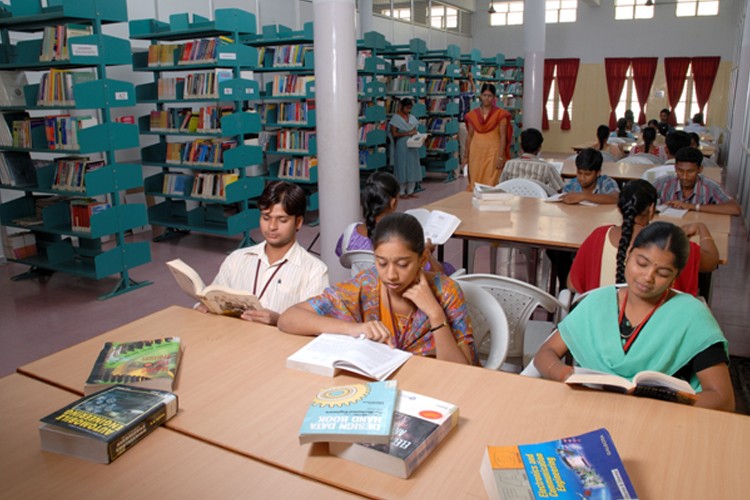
column 86, row 50
column 121, row 96
column 228, row 56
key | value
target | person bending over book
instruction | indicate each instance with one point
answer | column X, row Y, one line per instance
column 601, row 258
column 589, row 183
column 396, row 302
column 646, row 325
column 378, row 199
column 278, row 271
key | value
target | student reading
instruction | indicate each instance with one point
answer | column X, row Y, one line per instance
column 396, row 302
column 646, row 325
column 278, row 271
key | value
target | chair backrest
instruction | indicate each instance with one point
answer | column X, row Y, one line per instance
column 654, row 173
column 487, row 317
column 607, row 156
column 524, row 187
column 709, row 162
column 519, row 300
column 638, row 159
column 357, row 260
column 655, row 160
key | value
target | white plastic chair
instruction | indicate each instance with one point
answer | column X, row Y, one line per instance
column 487, row 317
column 608, row 156
column 357, row 260
column 638, row 160
column 655, row 160
column 519, row 187
column 654, row 173
column 709, row 162
column 519, row 300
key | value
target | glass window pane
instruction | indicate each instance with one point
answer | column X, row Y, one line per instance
column 643, row 12
column 497, row 19
column 685, row 9
column 708, row 8
column 568, row 15
column 550, row 16
column 515, row 18
column 624, row 3
column 623, row 13
column 552, row 4
column 515, row 6
column 569, row 4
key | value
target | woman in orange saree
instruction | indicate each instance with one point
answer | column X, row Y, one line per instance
column 488, row 143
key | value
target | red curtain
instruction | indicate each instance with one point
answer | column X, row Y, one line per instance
column 704, row 74
column 616, row 70
column 644, row 69
column 549, row 71
column 675, row 70
column 567, row 74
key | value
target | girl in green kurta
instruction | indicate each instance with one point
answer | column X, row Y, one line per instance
column 646, row 325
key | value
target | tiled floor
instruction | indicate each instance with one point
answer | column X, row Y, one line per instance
column 40, row 318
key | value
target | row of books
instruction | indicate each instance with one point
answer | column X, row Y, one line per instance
column 297, row 168
column 70, row 174
column 290, row 85
column 206, row 119
column 437, row 105
column 20, row 245
column 199, row 152
column 365, row 153
column 40, row 203
column 81, row 212
column 366, row 128
column 400, row 85
column 284, row 56
column 55, row 41
column 56, row 86
column 438, row 67
column 437, row 142
column 438, row 86
column 510, row 88
column 287, row 112
column 60, row 131
column 192, row 52
column 294, row 140
column 437, row 124
column 205, row 84
column 212, row 186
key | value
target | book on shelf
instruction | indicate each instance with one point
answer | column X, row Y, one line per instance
column 583, row 466
column 438, row 226
column 351, row 413
column 20, row 245
column 328, row 353
column 416, row 140
column 151, row 364
column 102, row 426
column 82, row 210
column 420, row 424
column 55, row 40
column 17, row 169
column 11, row 88
column 649, row 384
column 217, row 299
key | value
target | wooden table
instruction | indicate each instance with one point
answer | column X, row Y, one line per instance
column 708, row 150
column 166, row 464
column 236, row 393
column 624, row 171
column 537, row 223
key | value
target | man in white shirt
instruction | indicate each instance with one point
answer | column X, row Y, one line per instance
column 278, row 271
column 530, row 166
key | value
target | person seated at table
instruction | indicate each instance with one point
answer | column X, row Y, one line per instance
column 695, row 140
column 664, row 124
column 378, row 199
column 590, row 184
column 645, row 325
column 396, row 302
column 622, row 131
column 631, row 126
column 673, row 143
column 601, row 258
column 690, row 190
column 696, row 125
column 530, row 166
column 278, row 271
column 601, row 144
column 648, row 145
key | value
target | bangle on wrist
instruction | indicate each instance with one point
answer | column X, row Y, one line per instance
column 441, row 325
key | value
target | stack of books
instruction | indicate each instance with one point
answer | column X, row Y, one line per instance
column 491, row 199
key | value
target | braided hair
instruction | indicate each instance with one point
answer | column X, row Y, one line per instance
column 380, row 189
column 602, row 134
column 649, row 136
column 635, row 198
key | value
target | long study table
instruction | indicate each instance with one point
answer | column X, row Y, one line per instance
column 166, row 464
column 236, row 393
column 623, row 171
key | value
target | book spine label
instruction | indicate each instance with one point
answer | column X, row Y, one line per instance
column 141, row 429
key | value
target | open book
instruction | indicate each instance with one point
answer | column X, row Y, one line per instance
column 668, row 211
column 328, row 353
column 416, row 141
column 438, row 226
column 647, row 383
column 218, row 299
column 558, row 197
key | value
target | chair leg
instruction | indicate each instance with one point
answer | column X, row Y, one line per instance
column 473, row 246
column 494, row 249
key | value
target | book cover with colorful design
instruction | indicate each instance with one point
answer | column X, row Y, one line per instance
column 584, row 466
column 349, row 413
column 146, row 363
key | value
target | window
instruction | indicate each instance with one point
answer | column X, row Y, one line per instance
column 555, row 108
column 506, row 13
column 561, row 11
column 633, row 9
column 688, row 104
column 628, row 98
column 443, row 17
column 692, row 8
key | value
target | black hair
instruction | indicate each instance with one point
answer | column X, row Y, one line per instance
column 649, row 136
column 589, row 159
column 653, row 123
column 490, row 87
column 689, row 155
column 635, row 199
column 694, row 138
column 665, row 110
column 663, row 129
column 380, row 189
column 666, row 236
column 698, row 118
column 531, row 140
column 677, row 140
column 622, row 125
column 406, row 102
column 291, row 197
column 602, row 134
column 629, row 115
column 402, row 226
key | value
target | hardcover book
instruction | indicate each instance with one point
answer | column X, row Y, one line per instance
column 649, row 384
column 584, row 466
column 420, row 424
column 349, row 413
column 218, row 299
column 147, row 363
column 102, row 426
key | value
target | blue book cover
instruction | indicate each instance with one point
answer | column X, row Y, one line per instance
column 584, row 466
column 351, row 413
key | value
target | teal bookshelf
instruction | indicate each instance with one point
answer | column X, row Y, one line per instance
column 371, row 89
column 100, row 250
column 213, row 196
